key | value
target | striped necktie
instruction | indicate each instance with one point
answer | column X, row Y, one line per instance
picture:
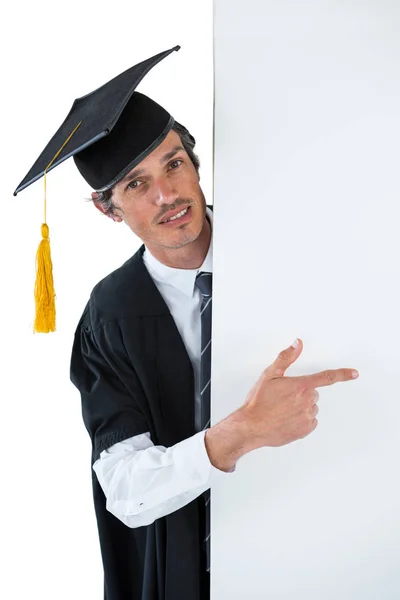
column 204, row 283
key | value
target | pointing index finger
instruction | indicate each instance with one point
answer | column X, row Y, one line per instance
column 328, row 377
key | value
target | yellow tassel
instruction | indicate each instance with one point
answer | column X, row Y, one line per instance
column 45, row 297
column 45, row 320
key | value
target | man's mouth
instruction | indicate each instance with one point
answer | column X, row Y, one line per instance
column 180, row 217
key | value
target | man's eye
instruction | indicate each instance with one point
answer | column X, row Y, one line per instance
column 176, row 162
column 132, row 184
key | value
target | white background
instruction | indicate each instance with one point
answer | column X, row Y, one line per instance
column 307, row 245
column 307, row 120
column 52, row 53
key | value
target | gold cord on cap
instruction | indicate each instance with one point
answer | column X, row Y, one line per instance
column 45, row 319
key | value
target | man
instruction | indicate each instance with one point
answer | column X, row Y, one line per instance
column 139, row 362
column 154, row 472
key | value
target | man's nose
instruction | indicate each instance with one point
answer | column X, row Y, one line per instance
column 164, row 191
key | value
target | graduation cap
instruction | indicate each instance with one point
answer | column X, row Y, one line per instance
column 108, row 132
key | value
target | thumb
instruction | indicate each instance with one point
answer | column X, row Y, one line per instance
column 284, row 360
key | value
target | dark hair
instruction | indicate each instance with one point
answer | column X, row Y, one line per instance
column 105, row 200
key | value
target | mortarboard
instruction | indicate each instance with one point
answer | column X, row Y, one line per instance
column 108, row 132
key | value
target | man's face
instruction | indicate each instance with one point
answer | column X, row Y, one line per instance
column 164, row 181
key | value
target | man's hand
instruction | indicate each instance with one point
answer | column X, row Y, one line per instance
column 278, row 409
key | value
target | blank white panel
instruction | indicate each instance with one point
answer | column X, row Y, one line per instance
column 306, row 244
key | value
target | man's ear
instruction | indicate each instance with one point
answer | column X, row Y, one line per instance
column 101, row 209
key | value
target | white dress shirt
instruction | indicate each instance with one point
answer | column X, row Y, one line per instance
column 143, row 482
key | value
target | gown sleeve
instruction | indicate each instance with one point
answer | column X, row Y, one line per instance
column 111, row 412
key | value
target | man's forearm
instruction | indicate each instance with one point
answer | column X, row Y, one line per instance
column 228, row 440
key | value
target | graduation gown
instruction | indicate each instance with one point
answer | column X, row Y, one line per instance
column 132, row 369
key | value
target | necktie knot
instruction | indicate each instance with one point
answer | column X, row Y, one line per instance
column 204, row 283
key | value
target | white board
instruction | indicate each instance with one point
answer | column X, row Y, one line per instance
column 306, row 244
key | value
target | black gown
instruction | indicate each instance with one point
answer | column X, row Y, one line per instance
column 132, row 369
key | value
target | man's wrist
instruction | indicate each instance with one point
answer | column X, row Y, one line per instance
column 227, row 441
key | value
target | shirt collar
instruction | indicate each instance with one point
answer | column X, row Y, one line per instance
column 183, row 279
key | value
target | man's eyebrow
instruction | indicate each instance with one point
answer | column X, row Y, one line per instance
column 171, row 154
column 163, row 159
